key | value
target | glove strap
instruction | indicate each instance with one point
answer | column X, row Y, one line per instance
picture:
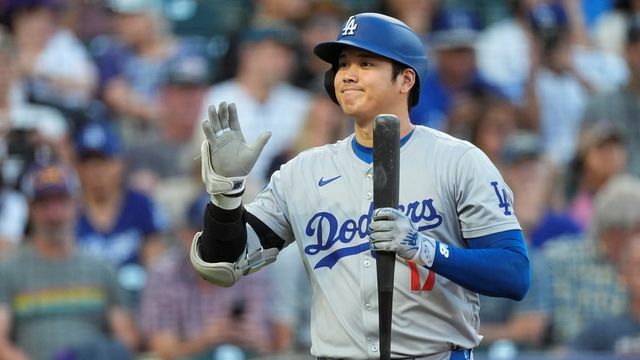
column 234, row 195
column 427, row 252
column 231, row 199
column 237, row 187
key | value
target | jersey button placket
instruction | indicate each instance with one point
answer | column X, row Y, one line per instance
column 368, row 278
column 373, row 346
column 368, row 184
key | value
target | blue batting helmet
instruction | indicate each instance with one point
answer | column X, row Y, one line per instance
column 381, row 35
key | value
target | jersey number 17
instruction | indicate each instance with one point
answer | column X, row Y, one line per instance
column 416, row 281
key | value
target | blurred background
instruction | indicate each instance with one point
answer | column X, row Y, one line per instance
column 100, row 191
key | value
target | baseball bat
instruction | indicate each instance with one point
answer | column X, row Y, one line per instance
column 386, row 183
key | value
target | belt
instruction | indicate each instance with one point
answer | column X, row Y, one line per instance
column 402, row 358
column 455, row 354
column 330, row 358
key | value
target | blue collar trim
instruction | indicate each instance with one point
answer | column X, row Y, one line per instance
column 366, row 153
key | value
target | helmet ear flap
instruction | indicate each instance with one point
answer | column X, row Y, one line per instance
column 329, row 77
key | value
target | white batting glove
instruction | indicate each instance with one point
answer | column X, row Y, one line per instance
column 391, row 230
column 226, row 157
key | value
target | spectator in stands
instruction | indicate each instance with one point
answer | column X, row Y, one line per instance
column 592, row 11
column 42, row 47
column 534, row 181
column 604, row 70
column 486, row 121
column 509, row 51
column 268, row 12
column 264, row 98
column 53, row 300
column 87, row 19
column 133, row 64
column 455, row 75
column 620, row 334
column 182, row 315
column 29, row 129
column 602, row 154
column 13, row 214
column 505, row 50
column 320, row 25
column 13, row 205
column 192, row 19
column 167, row 153
column 418, row 14
column 623, row 106
column 611, row 28
column 488, row 11
column 163, row 165
column 582, row 273
column 115, row 223
column 561, row 92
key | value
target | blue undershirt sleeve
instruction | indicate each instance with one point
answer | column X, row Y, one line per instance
column 495, row 265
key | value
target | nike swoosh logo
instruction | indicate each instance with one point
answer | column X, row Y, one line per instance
column 324, row 182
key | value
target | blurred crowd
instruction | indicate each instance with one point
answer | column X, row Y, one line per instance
column 100, row 192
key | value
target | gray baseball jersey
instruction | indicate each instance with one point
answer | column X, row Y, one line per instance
column 322, row 199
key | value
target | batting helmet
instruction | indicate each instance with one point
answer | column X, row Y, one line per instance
column 381, row 35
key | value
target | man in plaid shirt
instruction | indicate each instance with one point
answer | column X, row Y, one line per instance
column 182, row 314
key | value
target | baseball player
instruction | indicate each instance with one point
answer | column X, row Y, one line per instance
column 455, row 233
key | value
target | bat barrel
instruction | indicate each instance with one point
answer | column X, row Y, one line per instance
column 386, row 184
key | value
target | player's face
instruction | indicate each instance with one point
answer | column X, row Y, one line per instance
column 365, row 87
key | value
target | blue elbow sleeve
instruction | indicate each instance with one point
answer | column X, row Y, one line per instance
column 495, row 265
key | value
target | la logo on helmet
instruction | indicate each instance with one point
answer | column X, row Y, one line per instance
column 350, row 26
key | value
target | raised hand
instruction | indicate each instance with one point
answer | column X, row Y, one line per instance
column 226, row 158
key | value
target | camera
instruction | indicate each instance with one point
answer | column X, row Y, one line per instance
column 20, row 152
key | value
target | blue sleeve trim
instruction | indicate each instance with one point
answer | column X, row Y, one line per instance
column 495, row 265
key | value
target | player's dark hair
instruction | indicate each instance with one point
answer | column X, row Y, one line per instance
column 414, row 93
